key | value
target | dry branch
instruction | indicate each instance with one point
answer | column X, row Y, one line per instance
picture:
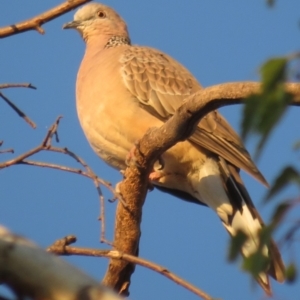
column 44, row 276
column 35, row 23
column 61, row 247
column 156, row 141
column 46, row 145
column 12, row 105
column 18, row 111
column 5, row 150
column 14, row 85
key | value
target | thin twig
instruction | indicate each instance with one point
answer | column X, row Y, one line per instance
column 62, row 248
column 35, row 23
column 71, row 170
column 43, row 146
column 14, row 85
column 52, row 131
column 52, row 166
column 18, row 111
column 97, row 181
column 288, row 236
column 93, row 176
column 47, row 146
column 62, row 168
column 10, row 150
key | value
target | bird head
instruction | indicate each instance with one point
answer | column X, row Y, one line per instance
column 97, row 19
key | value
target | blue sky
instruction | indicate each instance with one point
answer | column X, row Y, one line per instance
column 219, row 41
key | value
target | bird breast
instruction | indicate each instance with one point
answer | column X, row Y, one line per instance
column 105, row 96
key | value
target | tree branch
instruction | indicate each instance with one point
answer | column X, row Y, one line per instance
column 35, row 23
column 18, row 111
column 13, row 85
column 43, row 275
column 61, row 247
column 156, row 141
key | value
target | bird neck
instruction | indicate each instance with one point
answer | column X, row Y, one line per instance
column 116, row 41
column 98, row 43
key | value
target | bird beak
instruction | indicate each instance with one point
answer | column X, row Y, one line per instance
column 73, row 24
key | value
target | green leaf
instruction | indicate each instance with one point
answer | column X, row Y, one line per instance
column 235, row 246
column 265, row 236
column 273, row 72
column 296, row 145
column 262, row 111
column 288, row 175
column 250, row 116
column 291, row 273
column 256, row 263
column 279, row 212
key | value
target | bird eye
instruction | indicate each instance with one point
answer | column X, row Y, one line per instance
column 101, row 14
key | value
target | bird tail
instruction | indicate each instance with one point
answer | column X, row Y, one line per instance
column 245, row 217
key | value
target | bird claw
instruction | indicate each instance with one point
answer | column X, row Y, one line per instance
column 159, row 164
column 155, row 176
column 131, row 158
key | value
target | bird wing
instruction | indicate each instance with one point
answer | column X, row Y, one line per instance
column 161, row 84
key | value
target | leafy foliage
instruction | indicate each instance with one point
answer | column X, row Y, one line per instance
column 279, row 213
column 291, row 273
column 262, row 111
column 270, row 3
column 288, row 175
column 256, row 263
column 236, row 243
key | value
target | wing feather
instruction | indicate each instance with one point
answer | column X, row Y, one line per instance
column 161, row 84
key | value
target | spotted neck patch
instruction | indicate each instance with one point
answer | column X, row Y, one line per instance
column 117, row 41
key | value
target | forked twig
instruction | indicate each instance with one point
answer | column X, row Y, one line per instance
column 46, row 145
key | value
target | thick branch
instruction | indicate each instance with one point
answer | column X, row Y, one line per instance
column 35, row 23
column 156, row 141
column 182, row 124
column 43, row 275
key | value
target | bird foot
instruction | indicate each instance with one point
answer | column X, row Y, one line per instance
column 130, row 157
column 155, row 176
column 158, row 166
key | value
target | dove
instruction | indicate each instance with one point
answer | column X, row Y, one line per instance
column 122, row 90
